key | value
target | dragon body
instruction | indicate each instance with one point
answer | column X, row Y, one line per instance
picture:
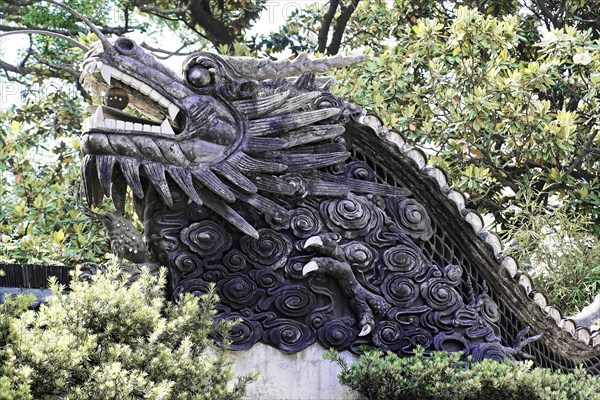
column 310, row 221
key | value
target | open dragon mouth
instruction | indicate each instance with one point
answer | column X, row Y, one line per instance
column 162, row 117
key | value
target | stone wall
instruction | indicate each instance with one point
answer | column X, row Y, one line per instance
column 301, row 376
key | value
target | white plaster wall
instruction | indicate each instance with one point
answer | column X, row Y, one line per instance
column 301, row 376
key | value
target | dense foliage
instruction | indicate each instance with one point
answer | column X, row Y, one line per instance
column 107, row 339
column 40, row 208
column 444, row 376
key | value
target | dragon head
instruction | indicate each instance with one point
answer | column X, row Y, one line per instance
column 226, row 130
column 177, row 127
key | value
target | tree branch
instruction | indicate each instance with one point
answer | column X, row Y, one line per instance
column 325, row 25
column 340, row 27
column 582, row 153
column 168, row 54
column 216, row 31
column 548, row 14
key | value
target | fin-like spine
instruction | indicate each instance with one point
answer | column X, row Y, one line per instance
column 306, row 80
column 259, row 144
column 310, row 134
column 233, row 175
column 105, row 166
column 304, row 161
column 288, row 122
column 262, row 203
column 274, row 184
column 156, row 174
column 357, row 185
column 214, row 203
column 257, row 107
column 214, row 184
column 183, row 179
column 131, row 171
column 317, row 187
column 296, row 103
column 247, row 163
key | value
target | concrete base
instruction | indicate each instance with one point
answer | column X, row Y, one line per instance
column 300, row 376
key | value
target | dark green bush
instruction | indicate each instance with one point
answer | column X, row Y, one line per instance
column 107, row 338
column 445, row 376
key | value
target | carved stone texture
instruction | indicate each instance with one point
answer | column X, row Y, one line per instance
column 247, row 174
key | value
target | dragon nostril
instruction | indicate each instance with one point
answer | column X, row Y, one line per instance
column 124, row 44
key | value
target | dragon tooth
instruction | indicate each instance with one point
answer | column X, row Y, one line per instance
column 129, row 126
column 131, row 171
column 135, row 83
column 163, row 101
column 106, row 72
column 155, row 129
column 86, row 124
column 147, row 128
column 126, row 79
column 145, row 89
column 154, row 95
column 166, row 128
column 92, row 189
column 183, row 179
column 98, row 118
column 173, row 111
column 110, row 123
column 137, row 127
column 117, row 74
column 120, row 125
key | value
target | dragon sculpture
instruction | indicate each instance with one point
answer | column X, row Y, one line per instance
column 316, row 223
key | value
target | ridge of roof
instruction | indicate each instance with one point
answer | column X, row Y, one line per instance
column 520, row 278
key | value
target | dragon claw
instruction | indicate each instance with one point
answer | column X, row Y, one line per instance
column 366, row 329
column 310, row 267
column 313, row 241
column 362, row 301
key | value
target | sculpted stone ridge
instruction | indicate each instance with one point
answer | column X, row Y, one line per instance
column 246, row 174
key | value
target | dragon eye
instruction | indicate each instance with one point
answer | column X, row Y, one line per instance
column 198, row 76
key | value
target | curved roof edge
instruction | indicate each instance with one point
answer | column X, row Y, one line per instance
column 580, row 333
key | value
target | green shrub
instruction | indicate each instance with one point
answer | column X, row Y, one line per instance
column 108, row 339
column 445, row 376
column 13, row 383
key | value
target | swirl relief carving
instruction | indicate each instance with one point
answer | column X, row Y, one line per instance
column 369, row 280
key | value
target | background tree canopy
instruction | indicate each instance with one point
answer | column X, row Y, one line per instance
column 503, row 94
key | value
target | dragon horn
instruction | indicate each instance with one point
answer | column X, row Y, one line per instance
column 105, row 43
column 47, row 33
column 261, row 69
